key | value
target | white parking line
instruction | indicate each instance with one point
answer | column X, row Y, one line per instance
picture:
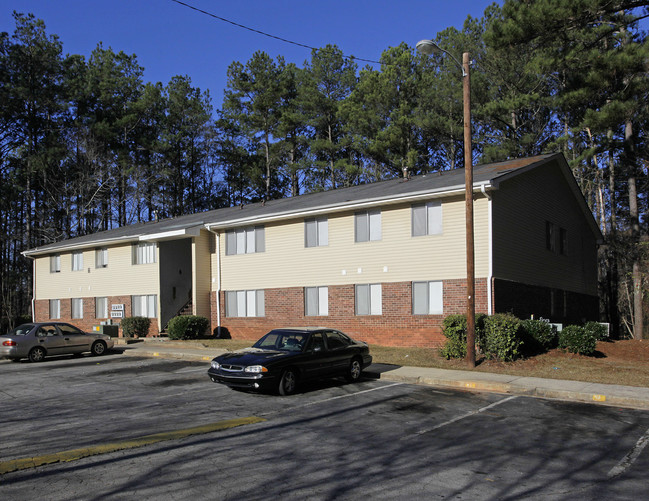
column 184, row 371
column 629, row 459
column 468, row 414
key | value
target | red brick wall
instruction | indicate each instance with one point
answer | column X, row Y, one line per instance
column 42, row 313
column 397, row 326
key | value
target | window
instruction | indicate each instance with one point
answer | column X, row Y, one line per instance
column 55, row 263
column 316, row 232
column 55, row 308
column 563, row 241
column 144, row 306
column 101, row 307
column 337, row 340
column 77, row 261
column 316, row 301
column 367, row 226
column 77, row 308
column 244, row 303
column 245, row 240
column 144, row 253
column 101, row 258
column 368, row 299
column 427, row 219
column 550, row 238
column 427, row 298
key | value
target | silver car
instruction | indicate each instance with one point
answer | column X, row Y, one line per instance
column 39, row 340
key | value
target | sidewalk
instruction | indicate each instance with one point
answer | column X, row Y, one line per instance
column 607, row 394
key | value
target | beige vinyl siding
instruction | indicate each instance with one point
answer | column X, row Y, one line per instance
column 521, row 208
column 396, row 257
column 201, row 284
column 119, row 278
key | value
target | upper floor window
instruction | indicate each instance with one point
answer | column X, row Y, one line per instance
column 556, row 238
column 316, row 232
column 369, row 300
column 367, row 226
column 427, row 219
column 550, row 238
column 244, row 303
column 245, row 240
column 144, row 253
column 316, row 301
column 427, row 298
column 77, row 261
column 563, row 241
column 55, row 263
column 101, row 257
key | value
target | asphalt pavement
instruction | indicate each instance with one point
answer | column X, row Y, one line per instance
column 604, row 394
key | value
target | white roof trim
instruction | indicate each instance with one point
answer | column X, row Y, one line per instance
column 192, row 231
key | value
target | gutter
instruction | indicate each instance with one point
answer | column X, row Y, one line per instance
column 218, row 278
column 490, row 273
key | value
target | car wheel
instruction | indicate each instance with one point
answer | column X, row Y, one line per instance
column 287, row 383
column 354, row 370
column 37, row 354
column 98, row 348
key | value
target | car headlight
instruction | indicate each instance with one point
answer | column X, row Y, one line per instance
column 215, row 365
column 255, row 369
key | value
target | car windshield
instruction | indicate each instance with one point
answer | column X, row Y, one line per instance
column 21, row 330
column 282, row 340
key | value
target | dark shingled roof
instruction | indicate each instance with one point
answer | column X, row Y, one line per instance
column 326, row 201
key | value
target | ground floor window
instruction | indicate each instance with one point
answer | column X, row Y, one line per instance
column 316, row 301
column 101, row 307
column 144, row 306
column 55, row 308
column 244, row 303
column 77, row 308
column 427, row 298
column 369, row 299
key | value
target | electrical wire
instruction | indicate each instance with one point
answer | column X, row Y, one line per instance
column 351, row 58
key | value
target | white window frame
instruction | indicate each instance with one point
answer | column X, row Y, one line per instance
column 247, row 240
column 427, row 219
column 55, row 309
column 55, row 263
column 316, row 232
column 101, row 257
column 316, row 301
column 245, row 303
column 144, row 306
column 76, row 307
column 428, row 298
column 101, row 307
column 368, row 299
column 367, row 226
column 144, row 253
column 77, row 260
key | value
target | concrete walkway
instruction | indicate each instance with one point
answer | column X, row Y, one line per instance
column 607, row 394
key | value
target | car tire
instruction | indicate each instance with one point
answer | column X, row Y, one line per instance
column 354, row 370
column 287, row 383
column 98, row 348
column 37, row 354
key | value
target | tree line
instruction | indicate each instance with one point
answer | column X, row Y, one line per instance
column 86, row 145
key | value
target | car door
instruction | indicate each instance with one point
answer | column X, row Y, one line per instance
column 49, row 337
column 76, row 341
column 316, row 363
column 339, row 351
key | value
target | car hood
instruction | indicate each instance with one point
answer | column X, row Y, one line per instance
column 253, row 356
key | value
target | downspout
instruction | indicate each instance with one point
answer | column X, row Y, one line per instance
column 490, row 251
column 33, row 289
column 218, row 280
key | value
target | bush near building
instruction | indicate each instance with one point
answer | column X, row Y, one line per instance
column 135, row 326
column 188, row 327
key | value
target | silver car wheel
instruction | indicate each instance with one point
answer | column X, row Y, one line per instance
column 36, row 354
column 98, row 348
column 354, row 371
column 287, row 383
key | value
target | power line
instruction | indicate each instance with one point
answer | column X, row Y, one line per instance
column 351, row 58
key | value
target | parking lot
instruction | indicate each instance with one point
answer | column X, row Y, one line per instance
column 332, row 440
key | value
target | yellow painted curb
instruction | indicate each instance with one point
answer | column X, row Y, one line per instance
column 75, row 454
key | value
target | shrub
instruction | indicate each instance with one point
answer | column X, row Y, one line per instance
column 599, row 331
column 187, row 327
column 576, row 339
column 538, row 336
column 135, row 326
column 454, row 329
column 502, row 338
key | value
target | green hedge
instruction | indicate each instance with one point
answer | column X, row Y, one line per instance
column 454, row 329
column 539, row 336
column 135, row 326
column 597, row 330
column 502, row 337
column 576, row 339
column 187, row 327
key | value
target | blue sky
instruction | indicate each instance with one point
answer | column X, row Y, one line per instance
column 170, row 39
